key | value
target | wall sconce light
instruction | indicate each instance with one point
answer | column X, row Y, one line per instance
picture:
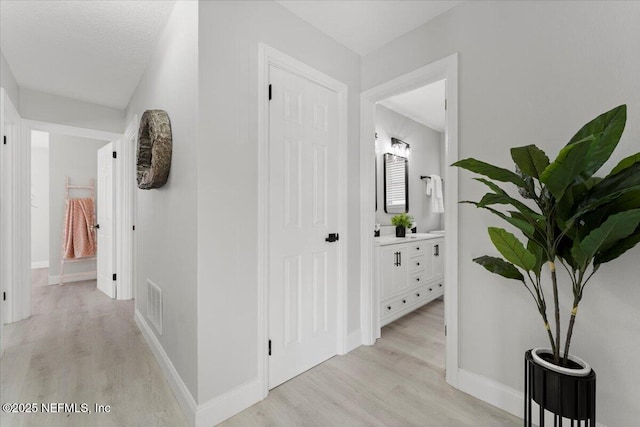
column 400, row 148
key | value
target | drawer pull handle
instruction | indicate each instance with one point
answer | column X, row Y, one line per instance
column 417, row 263
column 417, row 248
column 418, row 295
column 430, row 289
column 440, row 285
column 388, row 307
column 404, row 301
column 417, row 279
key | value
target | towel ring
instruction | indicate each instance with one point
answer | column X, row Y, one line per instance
column 154, row 149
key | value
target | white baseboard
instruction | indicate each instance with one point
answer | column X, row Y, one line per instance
column 354, row 340
column 39, row 264
column 211, row 412
column 225, row 406
column 75, row 277
column 499, row 395
column 179, row 388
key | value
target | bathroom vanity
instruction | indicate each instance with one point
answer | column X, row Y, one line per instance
column 410, row 273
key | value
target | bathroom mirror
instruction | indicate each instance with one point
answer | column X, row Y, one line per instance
column 396, row 184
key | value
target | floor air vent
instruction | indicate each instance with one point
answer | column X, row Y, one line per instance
column 154, row 305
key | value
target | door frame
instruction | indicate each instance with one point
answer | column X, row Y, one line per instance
column 15, row 264
column 446, row 68
column 125, row 212
column 268, row 56
column 22, row 176
column 109, row 146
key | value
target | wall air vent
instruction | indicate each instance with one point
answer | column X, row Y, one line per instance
column 154, row 305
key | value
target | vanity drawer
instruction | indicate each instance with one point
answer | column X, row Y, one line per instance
column 416, row 264
column 392, row 306
column 417, row 278
column 417, row 248
column 435, row 287
column 420, row 293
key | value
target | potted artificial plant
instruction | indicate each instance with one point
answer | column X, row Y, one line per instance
column 572, row 221
column 402, row 222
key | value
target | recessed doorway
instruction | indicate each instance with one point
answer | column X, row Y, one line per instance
column 438, row 253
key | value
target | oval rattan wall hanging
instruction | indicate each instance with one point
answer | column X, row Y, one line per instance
column 154, row 149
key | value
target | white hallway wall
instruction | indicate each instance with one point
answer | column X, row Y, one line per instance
column 50, row 108
column 166, row 217
column 227, row 176
column 8, row 82
column 425, row 159
column 76, row 158
column 533, row 73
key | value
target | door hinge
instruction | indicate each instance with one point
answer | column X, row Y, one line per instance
column 445, row 104
column 115, row 155
column 4, row 139
column 4, row 298
column 114, row 276
column 269, row 347
column 269, row 92
column 134, row 228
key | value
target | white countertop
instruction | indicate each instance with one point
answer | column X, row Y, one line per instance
column 393, row 240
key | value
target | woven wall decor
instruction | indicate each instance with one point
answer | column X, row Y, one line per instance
column 154, row 149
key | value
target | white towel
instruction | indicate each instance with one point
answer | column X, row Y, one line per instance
column 434, row 189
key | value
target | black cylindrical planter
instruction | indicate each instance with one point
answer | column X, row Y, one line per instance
column 400, row 231
column 566, row 396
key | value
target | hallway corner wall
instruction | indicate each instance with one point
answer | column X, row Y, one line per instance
column 166, row 226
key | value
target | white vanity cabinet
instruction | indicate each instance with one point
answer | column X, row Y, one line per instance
column 410, row 274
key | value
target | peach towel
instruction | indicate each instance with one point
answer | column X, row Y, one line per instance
column 79, row 237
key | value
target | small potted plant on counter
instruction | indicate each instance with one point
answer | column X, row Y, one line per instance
column 570, row 219
column 402, row 222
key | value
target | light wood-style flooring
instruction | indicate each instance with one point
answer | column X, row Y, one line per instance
column 79, row 346
column 397, row 382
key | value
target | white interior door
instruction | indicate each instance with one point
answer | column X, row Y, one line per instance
column 303, row 210
column 105, row 221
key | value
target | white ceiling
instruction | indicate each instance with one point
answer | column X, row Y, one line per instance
column 365, row 25
column 93, row 51
column 424, row 105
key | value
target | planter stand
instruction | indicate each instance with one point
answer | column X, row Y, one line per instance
column 567, row 397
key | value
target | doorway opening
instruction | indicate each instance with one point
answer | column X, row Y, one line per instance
column 415, row 118
column 409, row 154
column 19, row 176
column 65, row 186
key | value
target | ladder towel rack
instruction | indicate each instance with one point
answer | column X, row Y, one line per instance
column 92, row 189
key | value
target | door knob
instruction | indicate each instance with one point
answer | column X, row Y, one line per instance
column 332, row 237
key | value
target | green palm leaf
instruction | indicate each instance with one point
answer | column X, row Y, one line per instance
column 569, row 164
column 619, row 248
column 500, row 266
column 606, row 130
column 616, row 227
column 530, row 159
column 490, row 171
column 512, row 249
